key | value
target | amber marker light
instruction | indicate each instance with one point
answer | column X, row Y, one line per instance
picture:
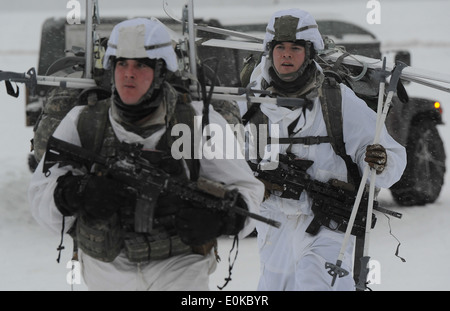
column 437, row 105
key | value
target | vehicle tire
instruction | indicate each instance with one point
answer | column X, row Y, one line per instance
column 423, row 177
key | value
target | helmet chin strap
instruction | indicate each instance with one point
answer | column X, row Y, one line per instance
column 288, row 77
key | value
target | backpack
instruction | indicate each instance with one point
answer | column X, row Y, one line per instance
column 58, row 102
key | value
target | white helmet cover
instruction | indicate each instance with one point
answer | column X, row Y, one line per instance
column 141, row 38
column 307, row 28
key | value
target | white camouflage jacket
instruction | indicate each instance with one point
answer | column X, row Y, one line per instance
column 231, row 170
column 359, row 122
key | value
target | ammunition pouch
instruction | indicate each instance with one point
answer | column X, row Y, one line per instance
column 336, row 216
column 156, row 245
column 105, row 239
column 100, row 239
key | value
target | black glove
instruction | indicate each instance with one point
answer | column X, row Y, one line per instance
column 198, row 225
column 97, row 196
column 376, row 157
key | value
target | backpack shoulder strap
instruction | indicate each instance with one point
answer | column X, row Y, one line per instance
column 252, row 110
column 331, row 103
column 184, row 114
column 92, row 124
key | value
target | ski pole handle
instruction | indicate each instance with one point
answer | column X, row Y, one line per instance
column 396, row 73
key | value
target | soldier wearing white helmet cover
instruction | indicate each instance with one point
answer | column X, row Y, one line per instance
column 178, row 253
column 292, row 259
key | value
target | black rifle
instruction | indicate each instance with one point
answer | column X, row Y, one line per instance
column 332, row 201
column 130, row 167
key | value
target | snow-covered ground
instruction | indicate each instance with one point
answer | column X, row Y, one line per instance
column 28, row 252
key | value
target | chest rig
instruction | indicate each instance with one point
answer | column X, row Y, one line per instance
column 105, row 239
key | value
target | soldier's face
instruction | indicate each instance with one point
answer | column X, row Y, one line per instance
column 288, row 57
column 132, row 80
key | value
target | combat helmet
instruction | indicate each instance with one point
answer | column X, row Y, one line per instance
column 293, row 25
column 146, row 40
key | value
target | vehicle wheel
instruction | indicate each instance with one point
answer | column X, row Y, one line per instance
column 423, row 178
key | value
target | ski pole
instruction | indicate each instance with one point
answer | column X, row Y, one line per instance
column 361, row 285
column 336, row 270
column 364, row 259
column 191, row 34
column 211, row 29
column 91, row 14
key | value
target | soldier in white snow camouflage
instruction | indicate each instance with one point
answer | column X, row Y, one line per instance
column 179, row 252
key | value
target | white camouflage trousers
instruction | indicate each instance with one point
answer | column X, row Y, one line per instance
column 293, row 260
column 178, row 273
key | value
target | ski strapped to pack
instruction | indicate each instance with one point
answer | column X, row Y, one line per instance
column 29, row 78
